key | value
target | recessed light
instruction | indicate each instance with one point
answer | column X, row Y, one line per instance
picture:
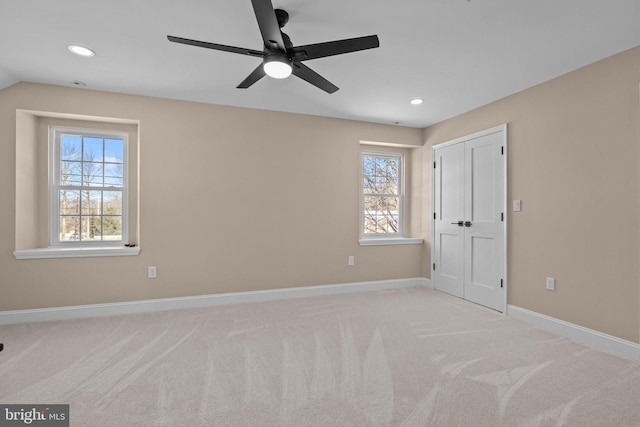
column 81, row 50
column 416, row 101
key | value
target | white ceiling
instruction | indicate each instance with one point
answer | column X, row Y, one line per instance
column 456, row 54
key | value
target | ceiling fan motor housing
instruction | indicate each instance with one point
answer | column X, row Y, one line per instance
column 282, row 16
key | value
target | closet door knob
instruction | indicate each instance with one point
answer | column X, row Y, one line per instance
column 467, row 223
column 459, row 223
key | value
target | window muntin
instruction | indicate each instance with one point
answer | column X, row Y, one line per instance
column 88, row 187
column 381, row 195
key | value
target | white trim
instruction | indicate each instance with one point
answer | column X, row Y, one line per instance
column 475, row 135
column 129, row 307
column 400, row 157
column 55, row 143
column 505, row 209
column 372, row 241
column 589, row 337
column 389, row 144
column 75, row 252
column 423, row 281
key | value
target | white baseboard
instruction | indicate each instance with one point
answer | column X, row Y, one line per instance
column 129, row 307
column 599, row 340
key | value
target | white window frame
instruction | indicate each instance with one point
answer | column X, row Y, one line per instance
column 364, row 237
column 55, row 133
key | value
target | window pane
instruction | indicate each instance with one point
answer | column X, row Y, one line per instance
column 112, row 203
column 113, row 175
column 382, row 225
column 381, row 175
column 69, row 172
column 75, row 180
column 91, row 202
column 112, row 227
column 368, row 165
column 372, row 207
column 92, row 174
column 381, row 185
column 368, row 185
column 113, row 182
column 370, row 204
column 392, row 169
column 69, row 228
column 114, row 150
column 92, row 149
column 69, row 202
column 71, row 147
column 393, row 223
column 91, row 228
column 369, row 225
column 392, row 204
column 381, row 166
column 381, row 214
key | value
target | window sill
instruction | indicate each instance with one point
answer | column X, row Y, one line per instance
column 75, row 252
column 390, row 241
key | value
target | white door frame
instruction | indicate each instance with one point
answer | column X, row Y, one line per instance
column 501, row 128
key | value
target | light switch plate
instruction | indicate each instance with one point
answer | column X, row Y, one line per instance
column 551, row 283
column 517, row 205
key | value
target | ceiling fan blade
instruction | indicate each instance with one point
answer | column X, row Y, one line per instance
column 337, row 47
column 256, row 75
column 307, row 74
column 268, row 23
column 216, row 46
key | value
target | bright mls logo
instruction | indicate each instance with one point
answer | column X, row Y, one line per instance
column 34, row 415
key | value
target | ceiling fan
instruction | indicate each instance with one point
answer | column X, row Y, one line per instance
column 279, row 57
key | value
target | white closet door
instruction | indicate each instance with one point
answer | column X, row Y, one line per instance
column 449, row 209
column 468, row 225
column 484, row 240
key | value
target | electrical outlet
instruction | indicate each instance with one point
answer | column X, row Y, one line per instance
column 151, row 272
column 351, row 260
column 551, row 283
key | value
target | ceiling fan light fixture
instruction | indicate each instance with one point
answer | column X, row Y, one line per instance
column 277, row 67
column 279, row 55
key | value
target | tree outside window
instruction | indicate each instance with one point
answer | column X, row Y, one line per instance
column 89, row 187
column 381, row 194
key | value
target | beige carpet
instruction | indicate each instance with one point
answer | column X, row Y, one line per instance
column 405, row 357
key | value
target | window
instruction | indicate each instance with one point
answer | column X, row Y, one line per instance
column 381, row 195
column 88, row 180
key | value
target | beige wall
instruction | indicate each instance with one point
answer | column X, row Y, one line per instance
column 231, row 199
column 574, row 145
column 574, row 156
